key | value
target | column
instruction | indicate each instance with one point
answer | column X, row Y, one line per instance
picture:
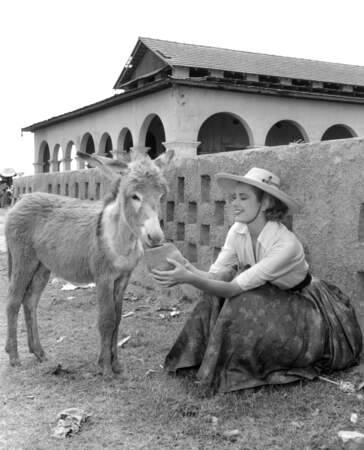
column 38, row 167
column 138, row 151
column 183, row 149
column 259, row 134
column 315, row 134
column 66, row 163
column 54, row 165
column 121, row 155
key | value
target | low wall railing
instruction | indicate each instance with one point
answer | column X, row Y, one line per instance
column 326, row 177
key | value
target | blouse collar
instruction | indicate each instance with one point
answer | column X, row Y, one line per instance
column 269, row 229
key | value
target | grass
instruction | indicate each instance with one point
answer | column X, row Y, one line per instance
column 144, row 409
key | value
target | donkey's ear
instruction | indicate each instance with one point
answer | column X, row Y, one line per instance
column 98, row 161
column 110, row 168
column 164, row 159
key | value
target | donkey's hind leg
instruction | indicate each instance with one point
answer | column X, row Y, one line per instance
column 30, row 303
column 20, row 279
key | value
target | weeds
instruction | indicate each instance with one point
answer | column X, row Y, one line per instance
column 146, row 408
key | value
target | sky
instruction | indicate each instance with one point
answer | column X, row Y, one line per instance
column 60, row 55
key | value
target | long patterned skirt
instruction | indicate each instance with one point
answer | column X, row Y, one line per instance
column 268, row 336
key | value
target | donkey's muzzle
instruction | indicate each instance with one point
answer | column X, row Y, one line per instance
column 152, row 233
column 155, row 238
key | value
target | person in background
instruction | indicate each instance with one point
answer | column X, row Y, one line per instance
column 3, row 194
column 263, row 317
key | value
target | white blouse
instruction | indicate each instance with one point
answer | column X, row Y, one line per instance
column 280, row 258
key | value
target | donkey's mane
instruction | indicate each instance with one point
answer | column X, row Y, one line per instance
column 143, row 175
column 111, row 196
column 145, row 171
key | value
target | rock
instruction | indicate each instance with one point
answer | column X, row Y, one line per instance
column 123, row 341
column 231, row 434
column 69, row 422
column 352, row 440
column 214, row 421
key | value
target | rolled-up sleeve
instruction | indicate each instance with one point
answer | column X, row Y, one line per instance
column 274, row 265
column 227, row 257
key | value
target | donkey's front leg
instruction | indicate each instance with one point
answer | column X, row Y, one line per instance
column 107, row 323
column 119, row 289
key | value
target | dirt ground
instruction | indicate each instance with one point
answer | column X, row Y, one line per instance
column 32, row 395
column 144, row 408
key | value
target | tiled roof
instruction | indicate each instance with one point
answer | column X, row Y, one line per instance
column 189, row 55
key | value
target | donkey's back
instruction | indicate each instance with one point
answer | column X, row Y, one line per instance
column 60, row 232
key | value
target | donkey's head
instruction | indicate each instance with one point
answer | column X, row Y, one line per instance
column 138, row 192
column 141, row 191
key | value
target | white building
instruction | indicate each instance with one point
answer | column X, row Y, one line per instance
column 200, row 100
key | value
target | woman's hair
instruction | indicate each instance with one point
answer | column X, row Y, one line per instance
column 277, row 209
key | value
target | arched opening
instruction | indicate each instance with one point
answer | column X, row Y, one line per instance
column 128, row 142
column 44, row 157
column 106, row 145
column 125, row 140
column 151, row 142
column 87, row 144
column 70, row 157
column 338, row 132
column 285, row 132
column 222, row 132
column 56, row 163
column 153, row 135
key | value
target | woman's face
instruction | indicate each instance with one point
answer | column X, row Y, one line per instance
column 244, row 203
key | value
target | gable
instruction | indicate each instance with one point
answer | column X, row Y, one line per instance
column 147, row 64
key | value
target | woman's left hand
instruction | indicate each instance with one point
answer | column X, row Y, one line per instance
column 168, row 278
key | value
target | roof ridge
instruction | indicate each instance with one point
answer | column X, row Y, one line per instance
column 255, row 53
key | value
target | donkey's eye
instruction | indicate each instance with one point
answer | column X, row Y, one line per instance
column 136, row 197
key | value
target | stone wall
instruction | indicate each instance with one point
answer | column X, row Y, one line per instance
column 327, row 177
column 83, row 184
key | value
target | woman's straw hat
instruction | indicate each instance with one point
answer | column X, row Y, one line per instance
column 262, row 179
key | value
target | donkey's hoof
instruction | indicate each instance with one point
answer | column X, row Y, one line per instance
column 108, row 375
column 117, row 367
column 40, row 355
column 106, row 372
column 14, row 362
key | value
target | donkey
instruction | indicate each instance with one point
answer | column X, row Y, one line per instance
column 83, row 241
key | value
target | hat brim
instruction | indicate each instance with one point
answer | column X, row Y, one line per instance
column 227, row 182
column 6, row 173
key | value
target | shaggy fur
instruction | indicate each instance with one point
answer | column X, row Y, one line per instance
column 82, row 241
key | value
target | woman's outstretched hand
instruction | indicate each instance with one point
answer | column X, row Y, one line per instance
column 168, row 278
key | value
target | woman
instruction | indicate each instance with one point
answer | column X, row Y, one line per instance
column 263, row 319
